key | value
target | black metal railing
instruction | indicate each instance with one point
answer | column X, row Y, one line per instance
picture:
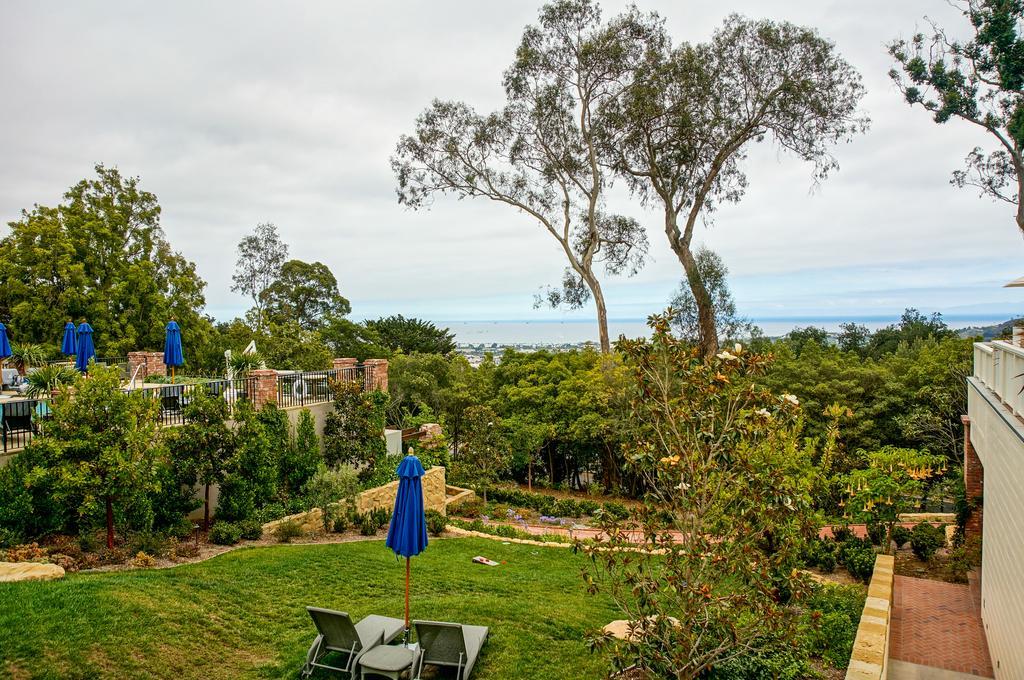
column 314, row 387
column 20, row 420
column 174, row 398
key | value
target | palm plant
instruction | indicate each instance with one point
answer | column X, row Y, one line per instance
column 27, row 355
column 43, row 381
column 241, row 364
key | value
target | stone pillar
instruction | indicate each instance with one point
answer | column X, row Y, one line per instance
column 266, row 387
column 151, row 363
column 974, row 483
column 376, row 374
column 430, row 432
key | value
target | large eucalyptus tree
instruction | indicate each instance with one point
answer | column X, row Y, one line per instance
column 539, row 153
column 680, row 133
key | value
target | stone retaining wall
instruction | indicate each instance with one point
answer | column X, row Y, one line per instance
column 434, row 497
column 870, row 657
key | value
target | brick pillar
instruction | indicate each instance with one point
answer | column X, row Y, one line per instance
column 377, row 374
column 347, row 362
column 974, row 483
column 266, row 386
column 152, row 363
column 430, row 432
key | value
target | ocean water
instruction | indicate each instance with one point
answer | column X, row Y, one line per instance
column 574, row 331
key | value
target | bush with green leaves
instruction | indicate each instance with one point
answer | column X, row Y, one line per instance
column 833, row 614
column 302, row 457
column 436, row 522
column 858, row 556
column 926, row 539
column 286, row 531
column 251, row 529
column 370, row 523
column 251, row 478
column 900, row 536
column 329, row 486
column 354, row 432
column 225, row 533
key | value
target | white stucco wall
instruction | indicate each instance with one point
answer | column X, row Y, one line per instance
column 998, row 439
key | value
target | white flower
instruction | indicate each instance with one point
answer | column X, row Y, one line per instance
column 725, row 356
column 738, row 348
column 791, row 398
column 764, row 413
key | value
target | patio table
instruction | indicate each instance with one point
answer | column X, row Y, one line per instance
column 389, row 661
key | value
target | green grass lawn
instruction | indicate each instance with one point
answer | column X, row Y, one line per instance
column 242, row 614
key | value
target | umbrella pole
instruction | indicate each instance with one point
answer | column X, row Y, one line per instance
column 407, row 571
column 172, row 375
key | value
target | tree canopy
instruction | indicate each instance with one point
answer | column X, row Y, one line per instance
column 100, row 255
column 411, row 335
column 980, row 81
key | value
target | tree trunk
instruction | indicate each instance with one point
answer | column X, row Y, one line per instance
column 110, row 523
column 705, row 309
column 529, row 474
column 602, row 315
column 206, row 508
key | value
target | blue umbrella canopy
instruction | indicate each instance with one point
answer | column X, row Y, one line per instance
column 172, row 345
column 5, row 344
column 407, row 533
column 70, row 343
column 85, row 349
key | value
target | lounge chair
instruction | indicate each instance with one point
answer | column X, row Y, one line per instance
column 448, row 644
column 337, row 633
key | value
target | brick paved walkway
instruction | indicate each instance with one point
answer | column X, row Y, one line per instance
column 938, row 624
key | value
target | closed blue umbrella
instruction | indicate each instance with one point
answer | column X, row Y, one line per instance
column 70, row 343
column 5, row 344
column 407, row 534
column 172, row 347
column 4, row 347
column 85, row 349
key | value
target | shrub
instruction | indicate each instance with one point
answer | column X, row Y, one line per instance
column 147, row 543
column 286, row 531
column 616, row 510
column 329, row 486
column 925, row 539
column 251, row 529
column 225, row 533
column 834, row 616
column 827, row 562
column 436, row 522
column 142, row 559
column 182, row 550
column 841, row 533
column 900, row 536
column 506, row 531
column 342, row 522
column 859, row 558
column 9, row 538
column 182, row 529
column 876, row 532
column 371, row 522
column 270, row 512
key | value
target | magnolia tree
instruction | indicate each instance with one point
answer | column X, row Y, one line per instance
column 707, row 573
column 889, row 486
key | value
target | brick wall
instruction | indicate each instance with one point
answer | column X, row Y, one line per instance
column 266, row 386
column 377, row 374
column 151, row 363
column 974, row 481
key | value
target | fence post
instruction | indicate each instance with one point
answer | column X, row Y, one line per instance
column 266, row 387
column 377, row 374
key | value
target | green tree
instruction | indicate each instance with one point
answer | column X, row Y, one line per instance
column 303, row 456
column 100, row 255
column 691, row 114
column 205, row 445
column 853, row 337
column 261, row 256
column 346, row 338
column 328, row 486
column 411, row 335
column 101, row 447
column 354, row 431
column 484, row 455
column 685, row 317
column 538, row 155
column 912, row 327
column 888, row 486
column 251, row 478
column 728, row 509
column 980, row 81
column 799, row 338
column 306, row 293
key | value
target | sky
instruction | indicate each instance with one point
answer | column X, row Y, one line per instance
column 235, row 113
